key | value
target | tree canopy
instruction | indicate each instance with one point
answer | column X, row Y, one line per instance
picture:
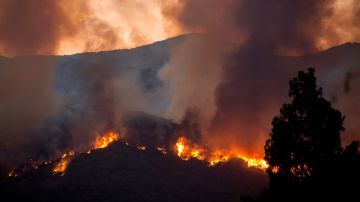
column 306, row 135
column 304, row 152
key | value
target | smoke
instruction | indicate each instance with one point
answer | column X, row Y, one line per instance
column 30, row 27
column 193, row 72
column 26, row 101
column 39, row 119
column 276, row 26
column 65, row 27
column 112, row 94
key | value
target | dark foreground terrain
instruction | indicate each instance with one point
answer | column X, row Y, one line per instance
column 123, row 173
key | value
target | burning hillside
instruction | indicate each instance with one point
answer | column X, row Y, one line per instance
column 137, row 173
column 184, row 148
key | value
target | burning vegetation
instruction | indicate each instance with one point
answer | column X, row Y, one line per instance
column 186, row 149
column 101, row 142
column 62, row 165
column 104, row 141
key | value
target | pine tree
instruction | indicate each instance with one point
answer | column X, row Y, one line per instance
column 305, row 137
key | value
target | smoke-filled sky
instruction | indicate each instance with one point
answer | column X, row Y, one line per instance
column 67, row 27
column 230, row 76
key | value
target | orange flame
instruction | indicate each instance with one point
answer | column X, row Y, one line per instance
column 141, row 147
column 186, row 149
column 62, row 165
column 104, row 141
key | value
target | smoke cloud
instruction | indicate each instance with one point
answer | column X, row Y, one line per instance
column 26, row 101
column 275, row 26
column 66, row 27
column 193, row 72
column 30, row 27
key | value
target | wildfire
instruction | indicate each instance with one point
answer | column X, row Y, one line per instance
column 62, row 165
column 104, row 141
column 186, row 149
column 100, row 142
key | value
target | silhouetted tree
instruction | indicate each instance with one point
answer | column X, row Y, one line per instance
column 305, row 137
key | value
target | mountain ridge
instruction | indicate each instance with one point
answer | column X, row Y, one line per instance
column 175, row 39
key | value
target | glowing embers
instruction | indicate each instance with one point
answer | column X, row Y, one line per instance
column 105, row 140
column 162, row 150
column 141, row 147
column 61, row 166
column 13, row 173
column 186, row 149
column 24, row 168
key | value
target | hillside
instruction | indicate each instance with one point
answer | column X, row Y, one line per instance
column 122, row 173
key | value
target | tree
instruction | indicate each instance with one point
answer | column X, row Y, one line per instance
column 305, row 137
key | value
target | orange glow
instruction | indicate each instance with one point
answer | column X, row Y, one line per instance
column 119, row 24
column 180, row 146
column 62, row 165
column 12, row 173
column 104, row 141
column 186, row 149
column 100, row 142
column 275, row 169
column 141, row 147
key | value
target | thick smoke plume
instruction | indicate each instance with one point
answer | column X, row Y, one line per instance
column 286, row 27
column 65, row 27
column 26, row 101
column 193, row 73
column 254, row 82
column 30, row 27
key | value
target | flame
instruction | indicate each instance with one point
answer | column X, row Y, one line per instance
column 141, row 147
column 12, row 173
column 100, row 142
column 105, row 140
column 186, row 149
column 180, row 147
column 275, row 169
column 62, row 165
